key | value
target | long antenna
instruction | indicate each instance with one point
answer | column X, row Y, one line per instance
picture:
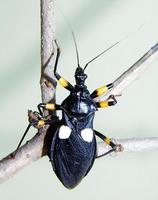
column 74, row 39
column 100, row 54
column 73, row 35
column 124, row 38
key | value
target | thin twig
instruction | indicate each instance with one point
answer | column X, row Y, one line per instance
column 131, row 145
column 33, row 150
column 133, row 73
column 47, row 82
column 27, row 154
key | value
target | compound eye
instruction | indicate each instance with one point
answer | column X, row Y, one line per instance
column 85, row 76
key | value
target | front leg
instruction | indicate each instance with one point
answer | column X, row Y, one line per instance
column 63, row 82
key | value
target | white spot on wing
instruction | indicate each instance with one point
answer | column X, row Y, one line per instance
column 64, row 132
column 87, row 134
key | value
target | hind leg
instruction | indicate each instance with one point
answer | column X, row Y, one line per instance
column 115, row 147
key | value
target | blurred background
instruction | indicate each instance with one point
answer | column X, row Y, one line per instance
column 97, row 25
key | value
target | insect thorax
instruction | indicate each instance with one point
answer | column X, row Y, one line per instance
column 79, row 104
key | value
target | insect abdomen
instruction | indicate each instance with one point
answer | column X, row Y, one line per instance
column 72, row 158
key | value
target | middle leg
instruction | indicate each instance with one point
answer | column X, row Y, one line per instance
column 110, row 102
column 101, row 90
column 38, row 124
column 50, row 107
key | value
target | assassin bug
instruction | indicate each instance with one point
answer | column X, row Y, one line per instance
column 73, row 146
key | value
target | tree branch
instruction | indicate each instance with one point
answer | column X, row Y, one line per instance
column 35, row 148
column 31, row 151
column 131, row 145
column 47, row 82
column 133, row 73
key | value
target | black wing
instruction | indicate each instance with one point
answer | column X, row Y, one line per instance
column 72, row 158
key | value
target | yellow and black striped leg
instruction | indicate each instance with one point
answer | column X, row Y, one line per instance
column 101, row 90
column 42, row 122
column 48, row 106
column 60, row 79
column 107, row 141
column 115, row 147
column 36, row 123
column 104, row 104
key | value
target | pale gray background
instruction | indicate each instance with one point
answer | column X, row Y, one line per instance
column 97, row 25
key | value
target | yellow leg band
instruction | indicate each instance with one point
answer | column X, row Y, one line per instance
column 50, row 106
column 41, row 123
column 107, row 140
column 103, row 104
column 101, row 90
column 63, row 82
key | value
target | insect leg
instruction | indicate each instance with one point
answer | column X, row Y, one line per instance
column 60, row 79
column 101, row 90
column 110, row 102
column 105, row 139
column 39, row 123
column 50, row 106
column 42, row 122
column 27, row 129
column 115, row 147
column 47, row 106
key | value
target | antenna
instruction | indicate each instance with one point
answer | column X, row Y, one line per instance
column 73, row 35
column 74, row 39
column 124, row 38
column 100, row 54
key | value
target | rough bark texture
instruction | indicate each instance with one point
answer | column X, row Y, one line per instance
column 131, row 145
column 48, row 82
column 35, row 148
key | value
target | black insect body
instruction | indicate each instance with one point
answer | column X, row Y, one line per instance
column 73, row 147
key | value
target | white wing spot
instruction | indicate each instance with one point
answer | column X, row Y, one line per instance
column 87, row 134
column 64, row 132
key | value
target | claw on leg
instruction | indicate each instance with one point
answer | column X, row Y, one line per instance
column 119, row 148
